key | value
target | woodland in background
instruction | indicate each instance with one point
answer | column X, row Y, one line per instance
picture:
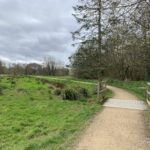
column 49, row 67
column 115, row 33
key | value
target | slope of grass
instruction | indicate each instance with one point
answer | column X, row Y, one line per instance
column 88, row 84
column 33, row 118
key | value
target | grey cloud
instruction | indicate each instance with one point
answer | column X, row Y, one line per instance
column 33, row 29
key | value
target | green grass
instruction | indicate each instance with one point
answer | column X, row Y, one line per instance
column 69, row 78
column 71, row 81
column 33, row 118
column 109, row 94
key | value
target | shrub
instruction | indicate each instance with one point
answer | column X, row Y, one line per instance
column 70, row 94
column 13, row 83
column 84, row 92
column 57, row 92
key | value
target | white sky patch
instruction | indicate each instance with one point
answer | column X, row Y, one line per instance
column 31, row 30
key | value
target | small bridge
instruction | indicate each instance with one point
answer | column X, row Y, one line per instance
column 126, row 104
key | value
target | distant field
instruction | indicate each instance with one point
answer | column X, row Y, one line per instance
column 32, row 117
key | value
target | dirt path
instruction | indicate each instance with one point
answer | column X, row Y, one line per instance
column 122, row 94
column 116, row 129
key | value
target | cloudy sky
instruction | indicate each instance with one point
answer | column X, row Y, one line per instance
column 33, row 29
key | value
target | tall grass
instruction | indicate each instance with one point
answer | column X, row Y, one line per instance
column 33, row 118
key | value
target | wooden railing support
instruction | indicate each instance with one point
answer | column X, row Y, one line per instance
column 148, row 93
column 101, row 88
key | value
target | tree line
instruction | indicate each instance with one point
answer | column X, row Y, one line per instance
column 49, row 67
column 113, row 39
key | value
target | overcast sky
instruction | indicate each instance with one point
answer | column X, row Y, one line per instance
column 33, row 29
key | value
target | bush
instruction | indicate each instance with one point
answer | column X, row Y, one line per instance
column 84, row 92
column 13, row 83
column 57, row 92
column 70, row 94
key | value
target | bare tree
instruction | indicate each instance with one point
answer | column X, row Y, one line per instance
column 50, row 65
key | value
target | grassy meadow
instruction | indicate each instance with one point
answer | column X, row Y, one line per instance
column 33, row 116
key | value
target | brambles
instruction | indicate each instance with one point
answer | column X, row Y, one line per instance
column 75, row 93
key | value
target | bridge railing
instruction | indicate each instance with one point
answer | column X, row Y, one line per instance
column 148, row 93
column 101, row 86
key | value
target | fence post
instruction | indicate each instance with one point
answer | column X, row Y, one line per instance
column 148, row 93
column 101, row 88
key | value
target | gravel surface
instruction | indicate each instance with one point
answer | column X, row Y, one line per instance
column 116, row 129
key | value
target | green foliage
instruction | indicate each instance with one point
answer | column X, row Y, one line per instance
column 108, row 94
column 70, row 94
column 13, row 83
column 57, row 92
column 83, row 92
column 1, row 90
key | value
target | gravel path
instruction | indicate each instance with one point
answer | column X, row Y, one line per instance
column 122, row 94
column 116, row 129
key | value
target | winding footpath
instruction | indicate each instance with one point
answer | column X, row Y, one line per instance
column 117, row 128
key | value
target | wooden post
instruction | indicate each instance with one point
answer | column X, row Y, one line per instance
column 148, row 93
column 98, row 91
column 101, row 88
